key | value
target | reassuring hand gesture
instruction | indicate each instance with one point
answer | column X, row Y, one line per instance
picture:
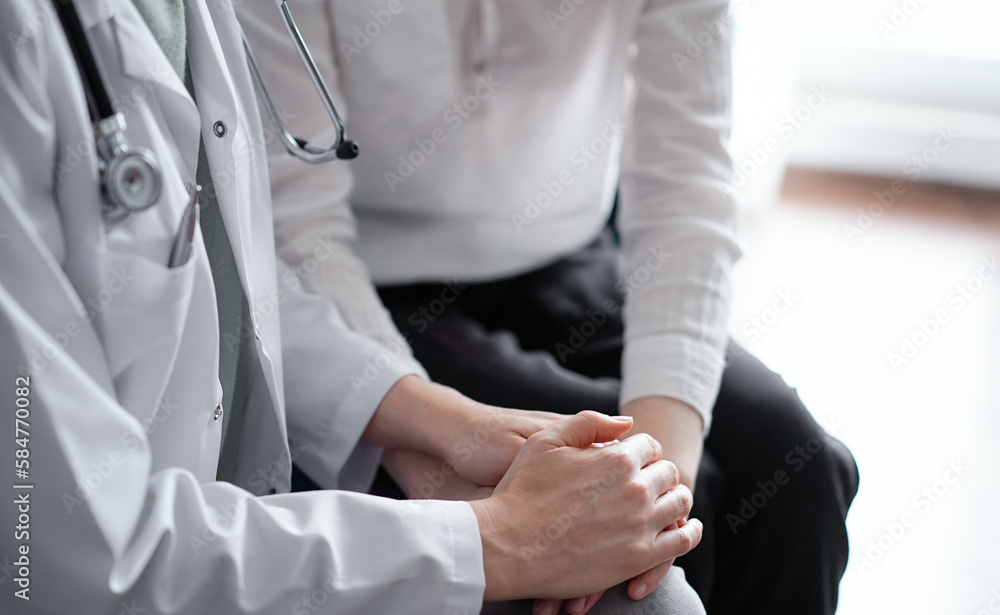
column 487, row 443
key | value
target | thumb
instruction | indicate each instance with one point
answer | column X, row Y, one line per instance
column 586, row 428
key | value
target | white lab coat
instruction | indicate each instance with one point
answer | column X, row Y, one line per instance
column 121, row 357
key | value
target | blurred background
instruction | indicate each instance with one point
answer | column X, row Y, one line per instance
column 867, row 146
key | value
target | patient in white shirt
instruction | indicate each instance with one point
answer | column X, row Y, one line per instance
column 541, row 203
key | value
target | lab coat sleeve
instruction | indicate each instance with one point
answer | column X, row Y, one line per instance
column 105, row 534
column 335, row 380
column 677, row 213
column 315, row 229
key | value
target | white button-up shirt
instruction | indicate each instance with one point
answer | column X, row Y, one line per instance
column 494, row 136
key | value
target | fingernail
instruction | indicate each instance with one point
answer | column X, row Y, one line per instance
column 544, row 608
column 576, row 605
column 640, row 591
column 622, row 419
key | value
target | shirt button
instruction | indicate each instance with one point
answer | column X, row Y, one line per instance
column 219, row 128
column 218, row 412
column 272, row 491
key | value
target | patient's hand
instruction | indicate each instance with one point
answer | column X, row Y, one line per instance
column 478, row 441
column 482, row 447
column 424, row 477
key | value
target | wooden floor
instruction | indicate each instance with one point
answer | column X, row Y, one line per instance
column 892, row 337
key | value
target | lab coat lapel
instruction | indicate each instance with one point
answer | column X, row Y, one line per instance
column 145, row 62
column 231, row 126
column 220, row 130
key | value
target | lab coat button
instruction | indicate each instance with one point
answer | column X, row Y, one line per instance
column 256, row 332
column 219, row 128
column 218, row 412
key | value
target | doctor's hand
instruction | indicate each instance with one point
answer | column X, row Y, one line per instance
column 570, row 519
column 638, row 588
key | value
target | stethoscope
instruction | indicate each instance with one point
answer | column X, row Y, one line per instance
column 130, row 177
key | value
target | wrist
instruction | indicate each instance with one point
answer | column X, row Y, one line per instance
column 421, row 416
column 496, row 570
column 678, row 428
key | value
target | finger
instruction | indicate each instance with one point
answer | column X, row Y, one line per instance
column 588, row 603
column 576, row 605
column 584, row 429
column 671, row 544
column 647, row 582
column 663, row 476
column 546, row 607
column 673, row 506
column 643, row 448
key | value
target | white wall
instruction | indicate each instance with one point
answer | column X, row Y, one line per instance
column 895, row 72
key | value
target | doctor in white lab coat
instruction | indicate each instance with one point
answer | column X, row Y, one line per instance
column 119, row 355
column 116, row 507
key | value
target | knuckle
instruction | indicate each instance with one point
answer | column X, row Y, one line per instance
column 641, row 551
column 673, row 474
column 636, row 489
column 654, row 446
column 620, row 460
column 684, row 498
column 684, row 541
column 534, row 439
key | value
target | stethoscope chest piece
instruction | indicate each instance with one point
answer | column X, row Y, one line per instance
column 131, row 180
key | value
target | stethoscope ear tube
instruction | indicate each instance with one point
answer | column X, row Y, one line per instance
column 130, row 177
column 343, row 148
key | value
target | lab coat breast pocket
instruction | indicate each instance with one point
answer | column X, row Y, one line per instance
column 139, row 308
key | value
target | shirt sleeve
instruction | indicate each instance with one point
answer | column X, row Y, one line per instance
column 678, row 215
column 315, row 228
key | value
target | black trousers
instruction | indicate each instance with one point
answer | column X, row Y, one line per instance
column 773, row 488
